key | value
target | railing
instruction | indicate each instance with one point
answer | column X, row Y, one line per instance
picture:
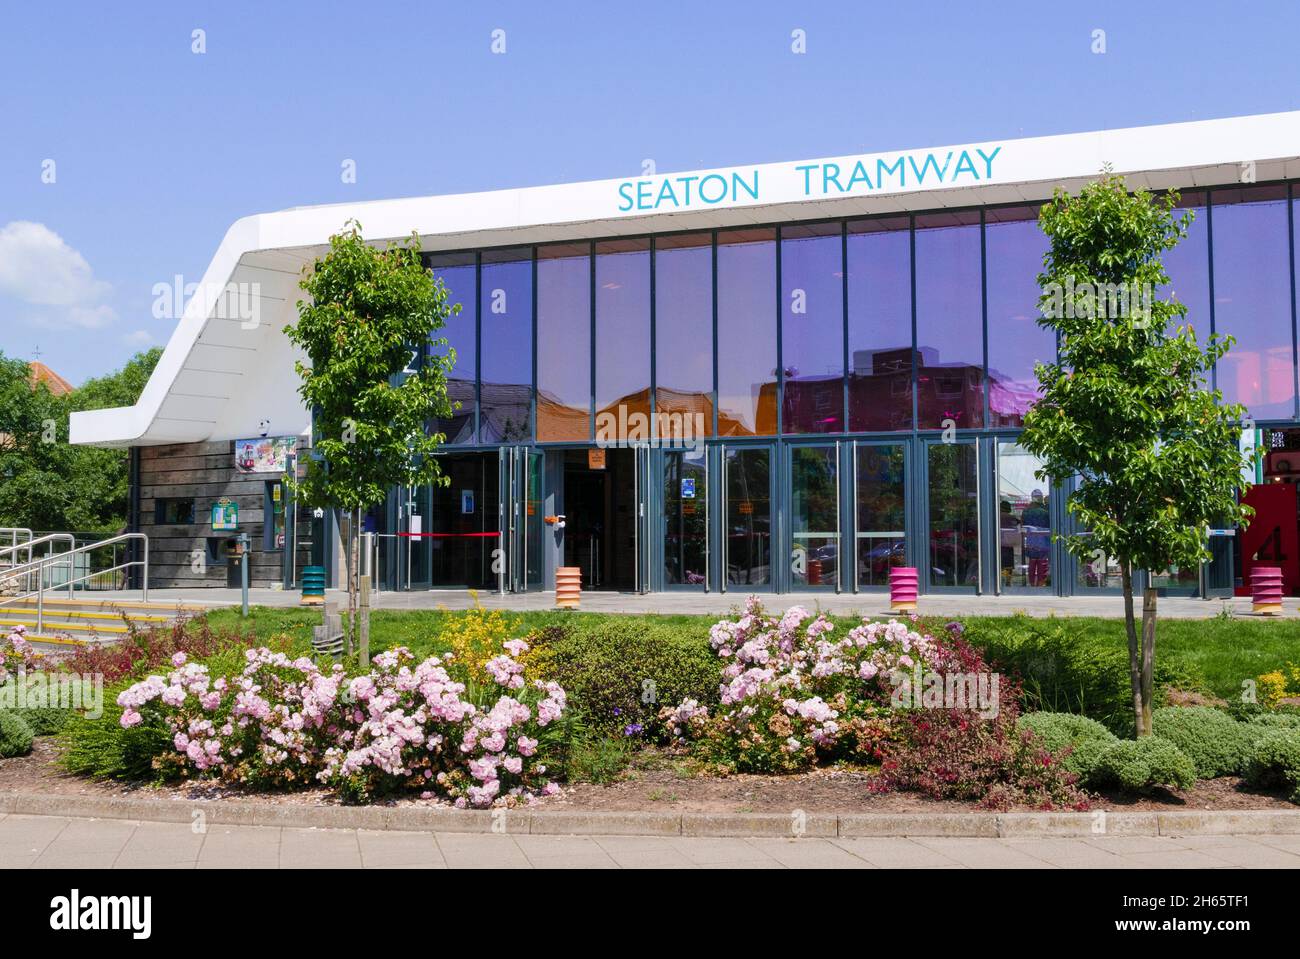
column 8, row 555
column 41, row 565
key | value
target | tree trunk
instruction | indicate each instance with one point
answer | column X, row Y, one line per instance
column 1134, row 652
column 348, row 566
column 354, row 572
column 1148, row 660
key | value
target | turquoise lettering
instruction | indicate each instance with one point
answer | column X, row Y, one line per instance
column 988, row 161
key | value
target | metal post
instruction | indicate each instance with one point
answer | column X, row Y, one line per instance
column 242, row 539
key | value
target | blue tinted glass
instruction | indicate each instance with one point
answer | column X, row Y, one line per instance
column 949, row 321
column 880, row 324
column 1252, row 300
column 506, row 309
column 564, row 342
column 457, row 274
column 812, row 328
column 747, row 332
column 1013, row 259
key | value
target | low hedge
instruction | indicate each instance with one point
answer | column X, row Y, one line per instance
column 619, row 673
column 1076, row 741
column 1143, row 764
column 1274, row 762
column 15, row 735
column 1214, row 741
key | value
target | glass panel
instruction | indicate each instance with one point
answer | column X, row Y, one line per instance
column 949, row 321
column 814, row 517
column 534, row 521
column 747, row 332
column 685, row 518
column 684, row 335
column 456, row 271
column 1024, row 519
column 1252, row 299
column 507, row 362
column 881, row 512
column 812, row 328
column 880, row 324
column 749, row 517
column 1099, row 571
column 461, row 525
column 1188, row 265
column 564, row 342
column 623, row 339
column 954, row 514
column 1014, row 248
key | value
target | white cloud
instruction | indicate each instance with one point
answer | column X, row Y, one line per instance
column 139, row 338
column 40, row 269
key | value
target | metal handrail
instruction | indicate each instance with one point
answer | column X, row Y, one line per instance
column 12, row 533
column 47, row 538
column 38, row 566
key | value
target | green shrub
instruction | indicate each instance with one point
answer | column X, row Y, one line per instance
column 103, row 749
column 1277, row 720
column 1274, row 762
column 1076, row 741
column 1212, row 739
column 44, row 720
column 15, row 735
column 1143, row 764
column 1066, row 667
column 619, row 673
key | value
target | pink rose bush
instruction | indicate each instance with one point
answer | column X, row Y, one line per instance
column 17, row 655
column 402, row 725
column 793, row 695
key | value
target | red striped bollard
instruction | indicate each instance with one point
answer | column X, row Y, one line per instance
column 902, row 588
column 1266, row 590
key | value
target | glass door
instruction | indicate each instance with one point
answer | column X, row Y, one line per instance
column 1220, row 577
column 747, row 517
column 880, row 512
column 517, row 561
column 814, row 516
column 686, row 518
column 1024, row 528
column 952, row 516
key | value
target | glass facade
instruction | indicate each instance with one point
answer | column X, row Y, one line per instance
column 818, row 362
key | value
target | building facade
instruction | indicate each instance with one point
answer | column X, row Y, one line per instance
column 789, row 377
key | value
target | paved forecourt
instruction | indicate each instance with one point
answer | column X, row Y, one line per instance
column 64, row 842
column 720, row 604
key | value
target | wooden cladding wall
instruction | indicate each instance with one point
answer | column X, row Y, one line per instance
column 205, row 473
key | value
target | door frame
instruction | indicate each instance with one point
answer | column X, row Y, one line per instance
column 850, row 516
column 786, row 507
column 772, row 445
column 923, row 564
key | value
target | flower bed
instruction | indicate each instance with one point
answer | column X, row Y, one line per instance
column 285, row 723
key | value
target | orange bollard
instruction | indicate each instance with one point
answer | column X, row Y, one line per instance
column 568, row 586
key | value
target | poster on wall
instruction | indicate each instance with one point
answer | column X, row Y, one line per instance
column 264, row 454
column 225, row 515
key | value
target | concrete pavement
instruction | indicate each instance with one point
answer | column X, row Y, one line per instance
column 720, row 604
column 56, row 841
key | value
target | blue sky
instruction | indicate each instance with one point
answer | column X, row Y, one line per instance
column 158, row 149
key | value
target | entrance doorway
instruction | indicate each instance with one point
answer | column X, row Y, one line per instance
column 601, row 517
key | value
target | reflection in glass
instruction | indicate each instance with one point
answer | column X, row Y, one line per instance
column 1188, row 265
column 747, row 332
column 954, row 514
column 456, row 271
column 623, row 339
column 1252, row 299
column 1014, row 248
column 1024, row 520
column 949, row 321
column 685, row 518
column 749, row 517
column 881, row 513
column 684, row 333
column 564, row 342
column 812, row 328
column 880, row 324
column 506, row 309
column 814, row 516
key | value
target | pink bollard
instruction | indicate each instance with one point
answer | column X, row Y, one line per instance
column 902, row 588
column 1266, row 590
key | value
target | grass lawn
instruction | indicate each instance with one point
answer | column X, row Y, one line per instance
column 1217, row 655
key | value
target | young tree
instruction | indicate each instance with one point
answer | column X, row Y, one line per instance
column 369, row 315
column 1126, row 406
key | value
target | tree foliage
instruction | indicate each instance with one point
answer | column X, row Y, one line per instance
column 1127, row 406
column 46, row 483
column 368, row 316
